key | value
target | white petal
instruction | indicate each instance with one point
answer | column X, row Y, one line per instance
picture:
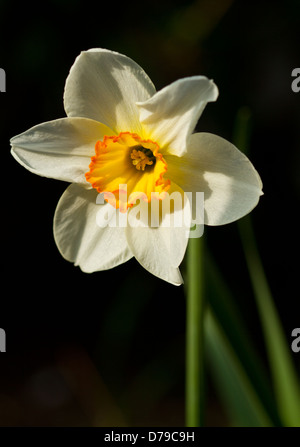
column 59, row 149
column 212, row 165
column 79, row 237
column 171, row 114
column 104, row 85
column 160, row 250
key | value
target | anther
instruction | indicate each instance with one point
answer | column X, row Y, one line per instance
column 142, row 157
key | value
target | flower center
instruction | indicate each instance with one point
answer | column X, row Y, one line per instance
column 126, row 159
column 142, row 157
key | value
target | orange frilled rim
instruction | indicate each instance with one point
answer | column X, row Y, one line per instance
column 116, row 167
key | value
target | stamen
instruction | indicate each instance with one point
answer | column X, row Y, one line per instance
column 127, row 159
column 142, row 157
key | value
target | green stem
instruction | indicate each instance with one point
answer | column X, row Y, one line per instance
column 285, row 380
column 195, row 335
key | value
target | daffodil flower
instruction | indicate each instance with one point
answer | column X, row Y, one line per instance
column 120, row 131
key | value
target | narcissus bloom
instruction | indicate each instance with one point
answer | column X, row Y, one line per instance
column 119, row 132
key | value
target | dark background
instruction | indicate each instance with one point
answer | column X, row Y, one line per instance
column 108, row 348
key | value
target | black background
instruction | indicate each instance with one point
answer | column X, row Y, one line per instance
column 108, row 348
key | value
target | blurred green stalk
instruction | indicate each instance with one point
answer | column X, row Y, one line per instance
column 243, row 404
column 284, row 375
column 195, row 335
